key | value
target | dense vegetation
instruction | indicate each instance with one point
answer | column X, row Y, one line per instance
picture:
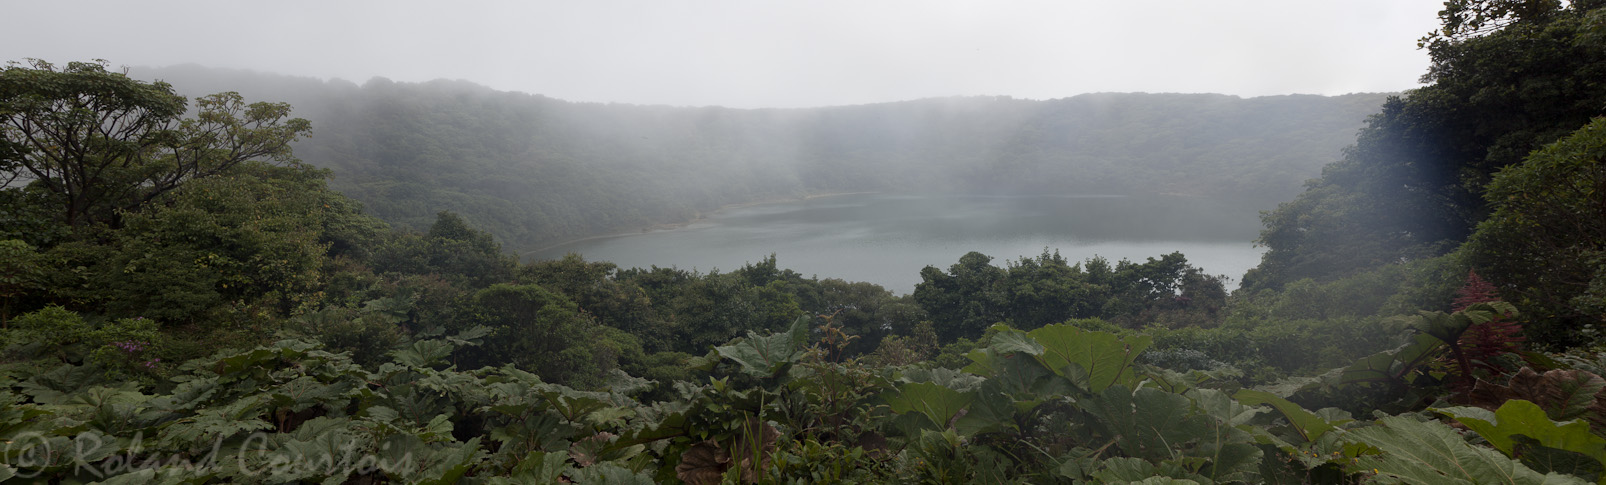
column 185, row 302
column 533, row 170
column 1427, row 172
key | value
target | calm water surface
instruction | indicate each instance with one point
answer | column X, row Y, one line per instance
column 887, row 239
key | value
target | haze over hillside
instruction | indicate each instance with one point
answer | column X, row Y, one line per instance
column 182, row 301
column 535, row 170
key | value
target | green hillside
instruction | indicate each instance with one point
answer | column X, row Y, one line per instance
column 183, row 301
column 534, row 170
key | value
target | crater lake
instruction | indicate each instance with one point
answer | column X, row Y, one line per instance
column 887, row 238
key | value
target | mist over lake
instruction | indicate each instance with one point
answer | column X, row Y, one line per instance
column 886, row 239
column 686, row 242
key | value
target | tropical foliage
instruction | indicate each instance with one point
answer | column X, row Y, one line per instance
column 207, row 309
column 1050, row 405
column 1417, row 182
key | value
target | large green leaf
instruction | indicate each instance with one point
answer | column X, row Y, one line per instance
column 1505, row 427
column 1181, row 382
column 431, row 464
column 1148, row 423
column 1545, row 459
column 188, row 395
column 540, row 467
column 263, row 357
column 1021, row 378
column 1007, row 340
column 306, row 391
column 153, row 476
column 1229, row 452
column 1309, row 426
column 1430, row 453
column 424, row 353
column 1448, row 327
column 59, row 384
column 670, row 425
column 1392, row 366
column 1223, row 407
column 766, row 356
column 1126, row 470
column 937, row 403
column 1563, row 394
column 573, row 405
column 220, row 422
column 611, row 474
column 991, row 411
column 949, row 378
column 329, row 444
column 1572, row 394
column 1104, row 358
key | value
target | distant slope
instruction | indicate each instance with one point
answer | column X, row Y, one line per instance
column 535, row 170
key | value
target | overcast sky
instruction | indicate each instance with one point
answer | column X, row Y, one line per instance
column 756, row 53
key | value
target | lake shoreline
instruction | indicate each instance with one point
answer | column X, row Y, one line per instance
column 889, row 238
column 701, row 216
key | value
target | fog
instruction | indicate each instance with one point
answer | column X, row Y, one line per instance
column 547, row 121
column 535, row 170
column 887, row 239
column 762, row 54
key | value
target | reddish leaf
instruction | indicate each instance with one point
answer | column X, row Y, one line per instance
column 702, row 464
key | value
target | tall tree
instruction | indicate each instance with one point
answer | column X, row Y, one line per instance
column 1507, row 77
column 540, row 331
column 964, row 301
column 101, row 142
column 1545, row 245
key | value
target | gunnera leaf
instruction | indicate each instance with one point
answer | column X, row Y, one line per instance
column 949, row 378
column 1148, row 423
column 540, row 467
column 1519, row 422
column 1391, row 366
column 612, row 474
column 1431, row 453
column 1007, row 340
column 1135, row 471
column 585, row 451
column 1105, row 357
column 702, row 464
column 1545, row 459
column 765, row 356
column 1309, row 426
column 938, row 403
column 424, row 353
column 1563, row 394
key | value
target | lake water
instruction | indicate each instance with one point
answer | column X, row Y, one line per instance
column 886, row 239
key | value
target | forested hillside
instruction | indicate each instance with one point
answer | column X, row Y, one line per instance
column 182, row 301
column 1500, row 150
column 533, row 170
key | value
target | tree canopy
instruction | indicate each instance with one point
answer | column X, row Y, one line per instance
column 99, row 142
column 1412, row 186
column 1545, row 243
column 259, row 314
